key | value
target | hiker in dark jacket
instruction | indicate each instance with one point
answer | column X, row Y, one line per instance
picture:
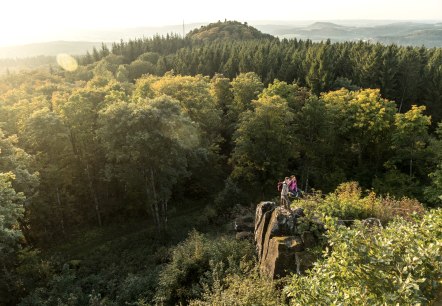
column 285, row 193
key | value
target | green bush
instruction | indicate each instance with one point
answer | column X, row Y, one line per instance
column 32, row 271
column 347, row 202
column 241, row 290
column 136, row 288
column 151, row 57
column 398, row 265
column 193, row 264
column 230, row 196
column 62, row 289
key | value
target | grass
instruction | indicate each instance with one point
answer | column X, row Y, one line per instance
column 134, row 238
column 121, row 262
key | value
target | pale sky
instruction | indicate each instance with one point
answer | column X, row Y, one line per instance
column 24, row 21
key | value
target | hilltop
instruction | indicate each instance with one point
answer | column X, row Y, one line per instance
column 401, row 33
column 227, row 30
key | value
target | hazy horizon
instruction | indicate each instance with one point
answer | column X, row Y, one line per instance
column 92, row 34
column 27, row 22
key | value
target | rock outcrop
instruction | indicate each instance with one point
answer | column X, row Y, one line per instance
column 283, row 239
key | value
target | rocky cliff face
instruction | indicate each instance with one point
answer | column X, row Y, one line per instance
column 283, row 238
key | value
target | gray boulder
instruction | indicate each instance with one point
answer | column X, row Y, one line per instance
column 281, row 248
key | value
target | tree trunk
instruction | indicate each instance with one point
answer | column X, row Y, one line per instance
column 93, row 195
column 306, row 176
column 359, row 155
column 61, row 211
column 73, row 144
column 164, row 215
column 148, row 194
column 402, row 100
column 83, row 162
column 152, row 205
column 155, row 202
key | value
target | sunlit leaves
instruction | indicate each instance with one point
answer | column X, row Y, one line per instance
column 369, row 266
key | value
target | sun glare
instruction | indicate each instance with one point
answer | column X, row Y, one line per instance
column 67, row 62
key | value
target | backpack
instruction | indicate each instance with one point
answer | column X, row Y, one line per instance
column 279, row 186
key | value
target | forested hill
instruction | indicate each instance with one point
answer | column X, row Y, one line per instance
column 407, row 75
column 232, row 30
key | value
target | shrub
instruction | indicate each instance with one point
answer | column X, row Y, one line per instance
column 193, row 264
column 230, row 195
column 151, row 57
column 398, row 265
column 136, row 288
column 390, row 207
column 61, row 290
column 348, row 202
column 244, row 289
column 32, row 272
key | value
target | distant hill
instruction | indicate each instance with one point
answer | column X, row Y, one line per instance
column 79, row 42
column 48, row 48
column 324, row 25
column 401, row 33
column 227, row 30
column 27, row 63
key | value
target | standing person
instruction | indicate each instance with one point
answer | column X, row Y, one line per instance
column 293, row 186
column 284, row 193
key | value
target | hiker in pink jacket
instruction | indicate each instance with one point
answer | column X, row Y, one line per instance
column 293, row 186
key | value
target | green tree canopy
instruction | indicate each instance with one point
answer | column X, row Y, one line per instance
column 264, row 144
column 11, row 211
column 146, row 147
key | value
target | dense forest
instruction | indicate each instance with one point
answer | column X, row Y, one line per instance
column 119, row 180
column 407, row 75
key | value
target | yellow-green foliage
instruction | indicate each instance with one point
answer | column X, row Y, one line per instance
column 348, row 202
column 365, row 110
column 398, row 265
column 243, row 290
column 193, row 93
